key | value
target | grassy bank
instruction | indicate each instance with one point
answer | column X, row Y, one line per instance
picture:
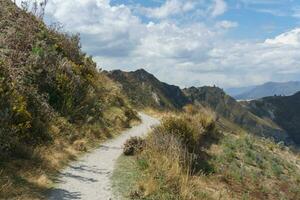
column 32, row 172
column 191, row 157
column 125, row 175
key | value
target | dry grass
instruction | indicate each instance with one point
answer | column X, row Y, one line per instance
column 167, row 173
column 251, row 167
column 31, row 176
column 159, row 114
column 183, row 161
column 171, row 159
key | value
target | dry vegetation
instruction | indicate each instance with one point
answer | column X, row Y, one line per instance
column 54, row 103
column 192, row 157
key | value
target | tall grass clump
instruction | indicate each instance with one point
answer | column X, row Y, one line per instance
column 174, row 156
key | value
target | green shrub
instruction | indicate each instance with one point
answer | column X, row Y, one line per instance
column 44, row 76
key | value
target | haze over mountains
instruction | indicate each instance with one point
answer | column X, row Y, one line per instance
column 265, row 90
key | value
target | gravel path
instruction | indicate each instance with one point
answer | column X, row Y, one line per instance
column 89, row 177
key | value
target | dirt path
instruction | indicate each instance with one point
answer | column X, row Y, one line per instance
column 89, row 177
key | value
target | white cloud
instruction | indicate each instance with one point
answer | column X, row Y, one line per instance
column 186, row 54
column 105, row 29
column 272, row 12
column 169, row 8
column 289, row 38
column 225, row 24
column 219, row 7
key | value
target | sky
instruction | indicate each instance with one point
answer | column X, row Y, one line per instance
column 229, row 43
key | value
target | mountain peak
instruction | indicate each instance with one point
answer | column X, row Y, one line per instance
column 141, row 70
column 144, row 89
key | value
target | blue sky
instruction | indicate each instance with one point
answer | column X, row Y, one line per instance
column 229, row 43
column 257, row 19
column 262, row 20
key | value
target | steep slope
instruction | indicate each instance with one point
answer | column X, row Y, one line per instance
column 53, row 101
column 270, row 89
column 228, row 108
column 44, row 75
column 144, row 90
column 285, row 111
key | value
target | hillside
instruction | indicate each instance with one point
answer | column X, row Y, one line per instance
column 270, row 89
column 54, row 102
column 189, row 158
column 228, row 108
column 145, row 90
column 285, row 111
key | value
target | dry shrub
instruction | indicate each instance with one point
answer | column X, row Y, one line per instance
column 174, row 156
column 167, row 165
column 191, row 109
column 80, row 145
column 193, row 131
column 133, row 146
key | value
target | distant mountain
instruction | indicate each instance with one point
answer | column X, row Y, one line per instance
column 227, row 107
column 266, row 90
column 238, row 90
column 285, row 111
column 145, row 90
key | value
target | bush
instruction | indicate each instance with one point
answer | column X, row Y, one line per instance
column 193, row 131
column 44, row 76
column 133, row 146
column 174, row 155
column 168, row 170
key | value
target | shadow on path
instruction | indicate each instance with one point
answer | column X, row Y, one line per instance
column 86, row 168
column 61, row 194
column 80, row 178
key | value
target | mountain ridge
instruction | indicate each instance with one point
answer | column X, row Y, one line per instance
column 227, row 107
column 144, row 89
column 140, row 85
column 265, row 90
column 284, row 110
